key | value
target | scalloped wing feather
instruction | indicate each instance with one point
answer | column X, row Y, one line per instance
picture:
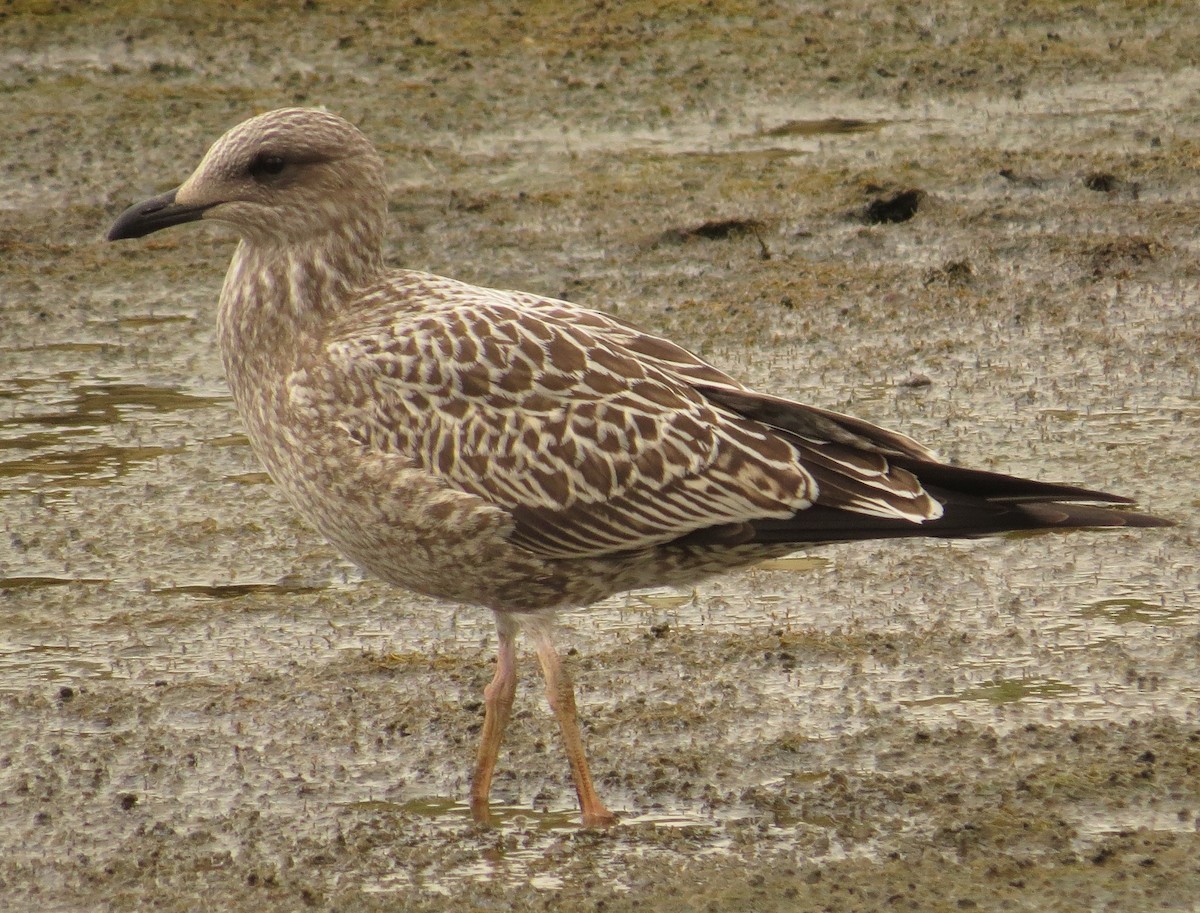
column 597, row 437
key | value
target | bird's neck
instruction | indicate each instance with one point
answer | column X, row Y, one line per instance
column 279, row 299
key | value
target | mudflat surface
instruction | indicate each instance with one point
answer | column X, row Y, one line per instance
column 202, row 706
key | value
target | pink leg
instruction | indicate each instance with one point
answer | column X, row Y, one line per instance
column 497, row 703
column 560, row 691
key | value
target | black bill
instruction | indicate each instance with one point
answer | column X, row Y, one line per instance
column 150, row 215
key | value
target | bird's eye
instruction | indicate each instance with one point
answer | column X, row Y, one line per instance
column 264, row 166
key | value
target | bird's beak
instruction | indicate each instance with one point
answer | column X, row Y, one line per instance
column 150, row 215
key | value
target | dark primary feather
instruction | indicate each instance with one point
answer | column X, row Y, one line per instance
column 965, row 516
column 974, row 502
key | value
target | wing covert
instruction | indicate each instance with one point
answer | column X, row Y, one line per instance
column 592, row 447
column 596, row 437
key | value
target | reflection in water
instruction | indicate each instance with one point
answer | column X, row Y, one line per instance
column 64, row 434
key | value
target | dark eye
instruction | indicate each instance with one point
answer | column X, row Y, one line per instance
column 265, row 165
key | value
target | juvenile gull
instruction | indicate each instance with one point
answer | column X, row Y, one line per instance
column 521, row 453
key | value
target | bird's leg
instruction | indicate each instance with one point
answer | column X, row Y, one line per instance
column 497, row 703
column 560, row 691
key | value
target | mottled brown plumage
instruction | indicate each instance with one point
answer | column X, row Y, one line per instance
column 516, row 452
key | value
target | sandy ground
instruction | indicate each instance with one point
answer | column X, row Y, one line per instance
column 201, row 706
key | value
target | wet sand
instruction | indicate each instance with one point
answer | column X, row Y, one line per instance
column 202, row 706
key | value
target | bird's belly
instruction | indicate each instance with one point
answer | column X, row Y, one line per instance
column 400, row 523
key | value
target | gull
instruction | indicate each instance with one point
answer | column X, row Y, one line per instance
column 520, row 453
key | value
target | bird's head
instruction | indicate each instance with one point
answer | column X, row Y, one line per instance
column 285, row 176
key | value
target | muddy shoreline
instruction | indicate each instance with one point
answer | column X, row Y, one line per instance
column 202, row 705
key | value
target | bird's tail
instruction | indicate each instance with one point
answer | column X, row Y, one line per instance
column 974, row 503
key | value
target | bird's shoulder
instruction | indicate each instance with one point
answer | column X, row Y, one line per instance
column 412, row 315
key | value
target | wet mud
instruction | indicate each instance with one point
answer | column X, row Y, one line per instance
column 201, row 705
